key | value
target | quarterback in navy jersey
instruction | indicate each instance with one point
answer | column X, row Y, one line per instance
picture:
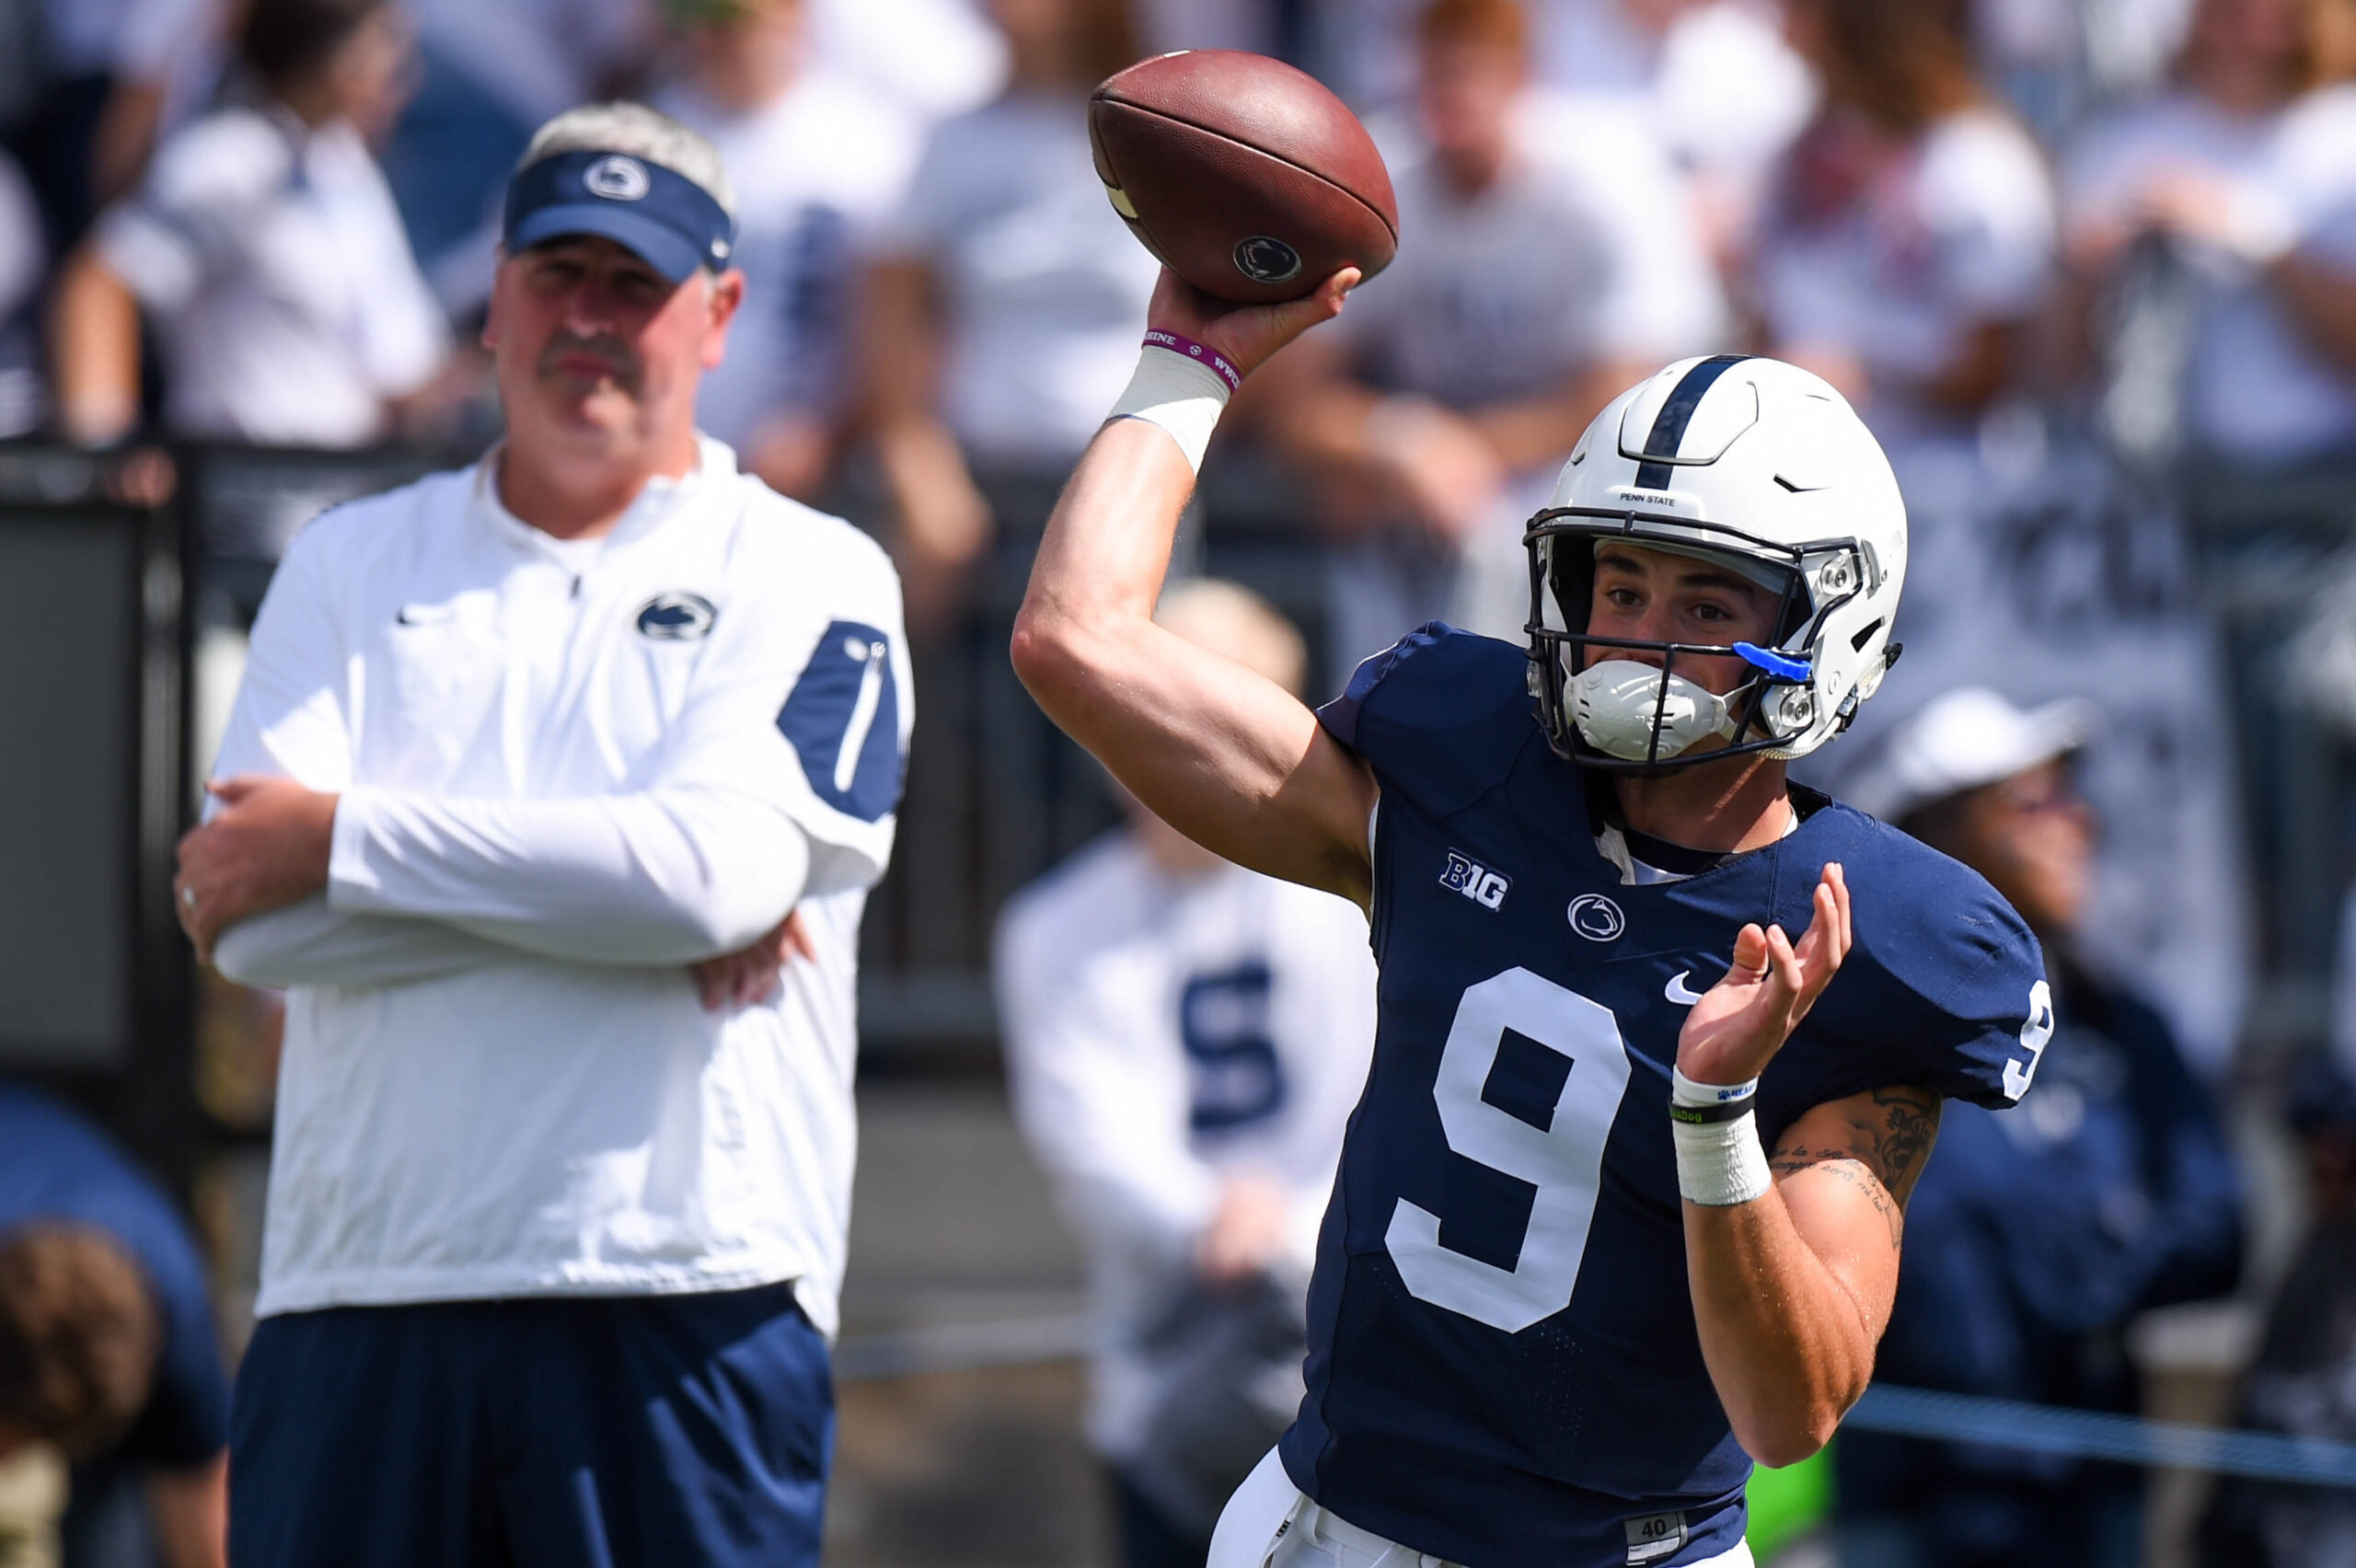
column 1563, row 1293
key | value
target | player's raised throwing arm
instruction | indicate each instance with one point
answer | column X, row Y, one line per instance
column 1223, row 753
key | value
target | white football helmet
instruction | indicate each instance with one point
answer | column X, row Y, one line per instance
column 1765, row 469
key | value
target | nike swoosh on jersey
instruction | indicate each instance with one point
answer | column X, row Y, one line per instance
column 1677, row 992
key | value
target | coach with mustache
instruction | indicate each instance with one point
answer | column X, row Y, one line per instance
column 552, row 795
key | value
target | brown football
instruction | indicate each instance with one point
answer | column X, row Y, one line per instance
column 1247, row 178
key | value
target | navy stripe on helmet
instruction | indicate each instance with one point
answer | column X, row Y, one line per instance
column 1668, row 426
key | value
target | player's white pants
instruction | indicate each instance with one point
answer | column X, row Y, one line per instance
column 1268, row 1524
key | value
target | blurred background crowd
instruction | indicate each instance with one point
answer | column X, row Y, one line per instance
column 2088, row 268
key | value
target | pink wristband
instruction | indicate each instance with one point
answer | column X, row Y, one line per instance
column 1155, row 337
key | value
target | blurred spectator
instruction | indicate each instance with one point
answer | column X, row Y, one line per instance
column 1005, row 311
column 266, row 250
column 1536, row 279
column 932, row 57
column 168, row 62
column 2212, row 231
column 1720, row 86
column 2054, row 60
column 1263, row 26
column 817, row 159
column 1902, row 249
column 22, row 262
column 2037, row 1232
column 2304, row 1379
column 107, row 1348
column 105, row 74
column 1910, row 232
column 1185, row 1040
column 487, row 72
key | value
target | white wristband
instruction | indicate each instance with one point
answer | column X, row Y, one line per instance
column 1182, row 386
column 1716, row 1133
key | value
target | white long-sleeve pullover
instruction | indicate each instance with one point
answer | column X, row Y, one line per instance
column 566, row 772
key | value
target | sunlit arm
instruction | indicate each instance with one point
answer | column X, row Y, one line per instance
column 1792, row 1290
column 1219, row 752
column 93, row 351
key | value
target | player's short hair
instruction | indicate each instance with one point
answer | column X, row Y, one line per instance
column 1494, row 24
column 79, row 1334
column 284, row 41
column 1230, row 619
column 642, row 133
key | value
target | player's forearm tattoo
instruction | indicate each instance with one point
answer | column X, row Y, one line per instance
column 1888, row 1140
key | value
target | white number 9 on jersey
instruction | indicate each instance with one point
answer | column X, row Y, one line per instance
column 1563, row 1160
column 2036, row 1035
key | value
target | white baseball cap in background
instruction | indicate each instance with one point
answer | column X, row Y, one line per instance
column 1961, row 739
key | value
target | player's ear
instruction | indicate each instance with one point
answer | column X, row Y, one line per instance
column 725, row 293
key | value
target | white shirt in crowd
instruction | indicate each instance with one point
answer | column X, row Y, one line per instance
column 277, row 270
column 814, row 172
column 1936, row 239
column 1162, row 1031
column 1043, row 287
column 567, row 771
column 2256, row 389
column 932, row 57
column 1583, row 251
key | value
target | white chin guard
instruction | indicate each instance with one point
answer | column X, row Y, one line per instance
column 1614, row 703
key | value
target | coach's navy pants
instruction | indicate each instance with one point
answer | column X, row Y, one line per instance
column 605, row 1432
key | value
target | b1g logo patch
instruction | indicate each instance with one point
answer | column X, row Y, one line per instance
column 1265, row 259
column 1474, row 881
column 676, row 617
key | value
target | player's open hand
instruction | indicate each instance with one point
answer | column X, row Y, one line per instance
column 267, row 847
column 1249, row 335
column 1741, row 1023
column 750, row 974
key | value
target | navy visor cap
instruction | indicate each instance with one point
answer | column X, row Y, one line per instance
column 668, row 220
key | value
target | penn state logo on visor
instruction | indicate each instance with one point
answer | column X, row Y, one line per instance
column 676, row 617
column 1266, row 259
column 617, row 178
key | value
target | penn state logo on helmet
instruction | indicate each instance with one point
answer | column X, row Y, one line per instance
column 676, row 617
column 617, row 179
column 1265, row 259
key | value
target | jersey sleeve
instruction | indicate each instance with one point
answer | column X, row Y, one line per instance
column 1945, row 987
column 818, row 706
column 1440, row 715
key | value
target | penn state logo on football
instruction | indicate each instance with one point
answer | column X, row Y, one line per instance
column 1266, row 259
column 676, row 617
column 1597, row 919
column 617, row 178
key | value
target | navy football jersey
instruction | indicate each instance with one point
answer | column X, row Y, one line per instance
column 1504, row 1367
